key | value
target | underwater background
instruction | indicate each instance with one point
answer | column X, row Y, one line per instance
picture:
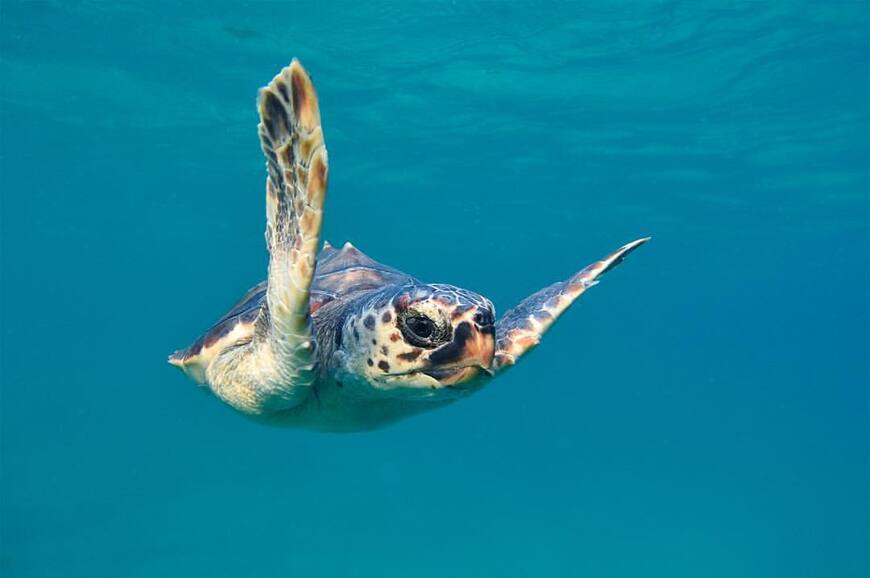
column 703, row 412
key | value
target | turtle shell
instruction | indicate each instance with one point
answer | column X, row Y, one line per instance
column 338, row 273
column 342, row 272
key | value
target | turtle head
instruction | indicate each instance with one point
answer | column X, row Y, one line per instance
column 423, row 340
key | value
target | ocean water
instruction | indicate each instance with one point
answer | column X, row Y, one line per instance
column 703, row 412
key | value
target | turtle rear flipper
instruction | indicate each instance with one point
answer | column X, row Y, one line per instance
column 521, row 328
column 266, row 360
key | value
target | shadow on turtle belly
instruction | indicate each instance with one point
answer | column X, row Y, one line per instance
column 353, row 416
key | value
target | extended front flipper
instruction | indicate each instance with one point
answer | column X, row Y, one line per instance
column 261, row 357
column 521, row 328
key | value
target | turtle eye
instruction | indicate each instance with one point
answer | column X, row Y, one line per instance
column 423, row 331
column 420, row 326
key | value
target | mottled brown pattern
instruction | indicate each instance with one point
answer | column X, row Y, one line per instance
column 304, row 100
column 308, row 143
column 521, row 328
column 285, row 155
column 299, row 92
column 349, row 271
column 526, row 341
column 274, row 116
column 317, row 180
column 542, row 316
column 282, row 88
column 459, row 311
column 401, row 302
column 411, row 355
column 309, row 220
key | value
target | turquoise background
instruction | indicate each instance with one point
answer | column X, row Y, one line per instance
column 701, row 413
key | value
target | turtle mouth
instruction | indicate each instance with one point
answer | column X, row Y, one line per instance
column 452, row 377
column 442, row 373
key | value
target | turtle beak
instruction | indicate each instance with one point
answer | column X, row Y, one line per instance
column 481, row 347
column 462, row 359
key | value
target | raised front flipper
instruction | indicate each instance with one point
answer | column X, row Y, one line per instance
column 292, row 140
column 266, row 361
column 521, row 328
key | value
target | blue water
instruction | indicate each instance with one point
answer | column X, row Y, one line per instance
column 701, row 413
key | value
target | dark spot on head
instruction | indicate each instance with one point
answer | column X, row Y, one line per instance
column 370, row 362
column 453, row 351
column 374, row 341
column 355, row 334
column 369, row 322
column 395, row 337
column 411, row 355
column 384, row 350
column 386, row 317
column 484, row 317
column 338, row 383
column 384, row 365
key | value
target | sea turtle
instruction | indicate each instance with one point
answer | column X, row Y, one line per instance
column 335, row 340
